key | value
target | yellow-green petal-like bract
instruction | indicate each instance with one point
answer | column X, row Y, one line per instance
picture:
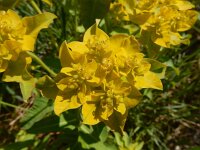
column 103, row 76
column 19, row 34
column 162, row 19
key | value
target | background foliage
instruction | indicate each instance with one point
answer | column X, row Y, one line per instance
column 167, row 119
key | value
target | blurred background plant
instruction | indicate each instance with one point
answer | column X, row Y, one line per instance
column 168, row 119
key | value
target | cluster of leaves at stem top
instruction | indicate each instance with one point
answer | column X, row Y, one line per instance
column 163, row 20
column 17, row 36
column 103, row 75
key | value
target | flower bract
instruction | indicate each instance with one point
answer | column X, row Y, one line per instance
column 103, row 76
column 163, row 19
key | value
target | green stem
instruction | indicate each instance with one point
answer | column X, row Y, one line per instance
column 35, row 6
column 39, row 61
column 8, row 104
column 196, row 28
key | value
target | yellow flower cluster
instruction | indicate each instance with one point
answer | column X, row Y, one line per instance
column 17, row 35
column 118, row 11
column 103, row 75
column 12, row 31
column 164, row 19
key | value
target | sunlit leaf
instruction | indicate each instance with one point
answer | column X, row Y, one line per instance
column 149, row 80
column 95, row 31
column 63, row 103
column 88, row 113
column 124, row 44
column 183, row 4
column 27, row 87
column 36, row 23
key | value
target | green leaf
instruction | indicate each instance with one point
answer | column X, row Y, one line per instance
column 170, row 64
column 93, row 9
column 41, row 107
column 118, row 139
column 125, row 142
column 67, row 121
column 126, row 139
column 19, row 145
column 27, row 87
column 195, row 148
column 95, row 137
column 136, row 146
column 67, row 140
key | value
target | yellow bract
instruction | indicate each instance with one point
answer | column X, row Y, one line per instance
column 103, row 75
column 164, row 19
column 17, row 35
column 118, row 11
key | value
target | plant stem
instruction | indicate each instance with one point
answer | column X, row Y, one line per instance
column 196, row 29
column 39, row 61
column 8, row 104
column 35, row 6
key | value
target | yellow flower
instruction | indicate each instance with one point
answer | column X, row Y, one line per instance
column 118, row 12
column 163, row 19
column 4, row 57
column 179, row 4
column 17, row 35
column 103, row 75
column 115, row 95
column 75, row 84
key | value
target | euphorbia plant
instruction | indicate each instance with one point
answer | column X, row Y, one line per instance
column 162, row 19
column 103, row 76
column 17, row 38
